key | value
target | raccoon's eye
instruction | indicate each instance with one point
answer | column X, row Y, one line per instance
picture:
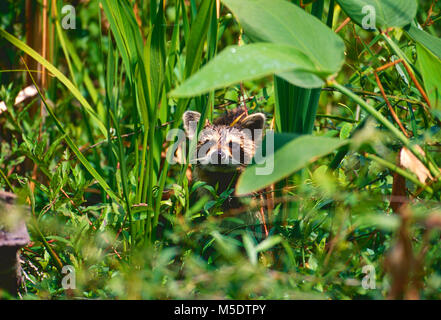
column 234, row 145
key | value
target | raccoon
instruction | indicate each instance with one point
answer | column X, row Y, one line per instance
column 224, row 148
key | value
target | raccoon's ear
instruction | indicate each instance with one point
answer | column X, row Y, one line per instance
column 254, row 121
column 190, row 119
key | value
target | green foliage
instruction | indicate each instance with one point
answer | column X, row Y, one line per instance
column 288, row 24
column 388, row 13
column 249, row 62
column 284, row 164
column 429, row 53
column 427, row 63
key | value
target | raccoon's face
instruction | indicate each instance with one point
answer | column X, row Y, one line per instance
column 225, row 147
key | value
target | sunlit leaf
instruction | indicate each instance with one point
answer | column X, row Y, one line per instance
column 382, row 14
column 248, row 62
column 287, row 158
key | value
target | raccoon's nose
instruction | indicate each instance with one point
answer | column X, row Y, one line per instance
column 218, row 157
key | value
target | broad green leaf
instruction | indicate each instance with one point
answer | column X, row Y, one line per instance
column 430, row 42
column 284, row 22
column 429, row 59
column 279, row 21
column 383, row 14
column 287, row 158
column 247, row 62
column 429, row 66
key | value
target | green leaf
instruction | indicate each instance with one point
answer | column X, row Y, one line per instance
column 345, row 131
column 429, row 59
column 248, row 62
column 125, row 31
column 225, row 245
column 387, row 223
column 280, row 21
column 155, row 61
column 288, row 157
column 250, row 248
column 199, row 30
column 386, row 13
column 427, row 63
column 268, row 243
column 430, row 42
column 75, row 148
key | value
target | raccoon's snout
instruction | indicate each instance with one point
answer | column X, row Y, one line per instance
column 218, row 157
